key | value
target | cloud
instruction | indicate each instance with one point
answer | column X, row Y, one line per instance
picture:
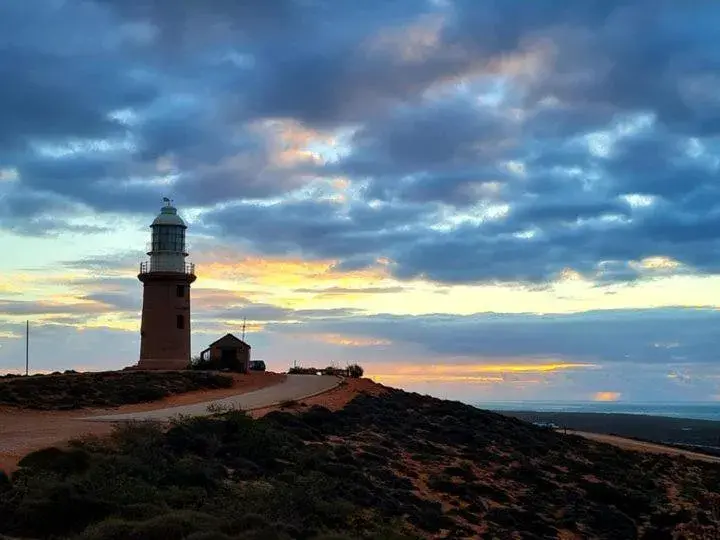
column 476, row 144
column 606, row 396
column 626, row 337
column 332, row 158
column 343, row 291
column 26, row 307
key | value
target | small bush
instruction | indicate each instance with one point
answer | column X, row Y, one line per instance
column 355, row 371
column 297, row 370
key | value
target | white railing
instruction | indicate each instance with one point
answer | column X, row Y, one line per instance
column 146, row 267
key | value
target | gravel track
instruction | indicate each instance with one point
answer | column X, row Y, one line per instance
column 295, row 387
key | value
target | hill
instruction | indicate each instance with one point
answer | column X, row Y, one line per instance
column 395, row 465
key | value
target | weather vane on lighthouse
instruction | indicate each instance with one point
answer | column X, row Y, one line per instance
column 166, row 278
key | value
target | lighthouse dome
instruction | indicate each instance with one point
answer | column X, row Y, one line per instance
column 168, row 216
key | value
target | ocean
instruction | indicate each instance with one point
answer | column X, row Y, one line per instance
column 696, row 411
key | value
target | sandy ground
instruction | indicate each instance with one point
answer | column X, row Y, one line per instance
column 631, row 444
column 334, row 399
column 23, row 431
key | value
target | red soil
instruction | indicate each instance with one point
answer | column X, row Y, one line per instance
column 334, row 399
column 23, row 430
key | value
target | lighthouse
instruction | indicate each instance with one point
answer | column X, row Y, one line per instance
column 166, row 279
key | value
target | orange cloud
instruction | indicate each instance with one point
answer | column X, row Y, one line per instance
column 489, row 368
column 347, row 341
column 606, row 396
column 289, row 143
column 474, row 373
column 289, row 272
column 236, row 326
column 394, row 378
column 286, row 282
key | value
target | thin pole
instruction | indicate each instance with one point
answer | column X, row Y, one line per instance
column 243, row 334
column 27, row 347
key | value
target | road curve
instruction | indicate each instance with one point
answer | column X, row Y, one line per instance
column 295, row 387
column 642, row 446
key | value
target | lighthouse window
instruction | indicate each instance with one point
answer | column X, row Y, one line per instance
column 180, row 291
column 169, row 238
column 180, row 322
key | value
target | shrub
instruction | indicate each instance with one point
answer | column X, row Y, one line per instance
column 297, row 370
column 105, row 389
column 199, row 364
column 332, row 370
column 348, row 472
column 355, row 371
column 59, row 461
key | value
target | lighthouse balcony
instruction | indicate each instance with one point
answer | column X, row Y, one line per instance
column 165, row 266
column 173, row 246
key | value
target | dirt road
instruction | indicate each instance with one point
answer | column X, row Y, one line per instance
column 24, row 430
column 293, row 388
column 640, row 446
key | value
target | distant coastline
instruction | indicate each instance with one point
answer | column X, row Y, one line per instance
column 694, row 434
column 707, row 410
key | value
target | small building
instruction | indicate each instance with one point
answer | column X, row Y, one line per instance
column 228, row 353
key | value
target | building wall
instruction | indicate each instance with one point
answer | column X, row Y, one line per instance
column 242, row 355
column 162, row 344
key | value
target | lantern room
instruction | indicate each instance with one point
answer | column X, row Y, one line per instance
column 167, row 248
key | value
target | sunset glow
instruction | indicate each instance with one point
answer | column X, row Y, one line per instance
column 460, row 199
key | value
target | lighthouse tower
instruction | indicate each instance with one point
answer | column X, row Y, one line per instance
column 166, row 278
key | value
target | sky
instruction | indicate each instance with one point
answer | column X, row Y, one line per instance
column 477, row 199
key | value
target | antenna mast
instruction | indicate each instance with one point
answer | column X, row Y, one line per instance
column 27, row 347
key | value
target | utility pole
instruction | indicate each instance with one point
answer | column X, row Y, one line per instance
column 27, row 347
column 243, row 330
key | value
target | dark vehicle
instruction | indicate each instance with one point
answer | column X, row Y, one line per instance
column 257, row 365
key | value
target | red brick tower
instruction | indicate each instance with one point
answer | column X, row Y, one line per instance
column 166, row 278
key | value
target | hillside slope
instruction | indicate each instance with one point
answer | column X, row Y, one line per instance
column 398, row 465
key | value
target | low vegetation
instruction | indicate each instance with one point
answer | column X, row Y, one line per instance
column 394, row 466
column 353, row 371
column 103, row 389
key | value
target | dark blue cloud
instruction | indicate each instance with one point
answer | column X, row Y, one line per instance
column 633, row 338
column 490, row 119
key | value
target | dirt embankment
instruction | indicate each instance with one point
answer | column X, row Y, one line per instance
column 334, row 400
column 24, row 430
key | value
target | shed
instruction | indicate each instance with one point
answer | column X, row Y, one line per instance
column 229, row 353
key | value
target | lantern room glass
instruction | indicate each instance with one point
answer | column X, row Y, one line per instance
column 168, row 238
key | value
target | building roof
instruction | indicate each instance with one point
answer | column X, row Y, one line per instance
column 228, row 340
column 168, row 216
